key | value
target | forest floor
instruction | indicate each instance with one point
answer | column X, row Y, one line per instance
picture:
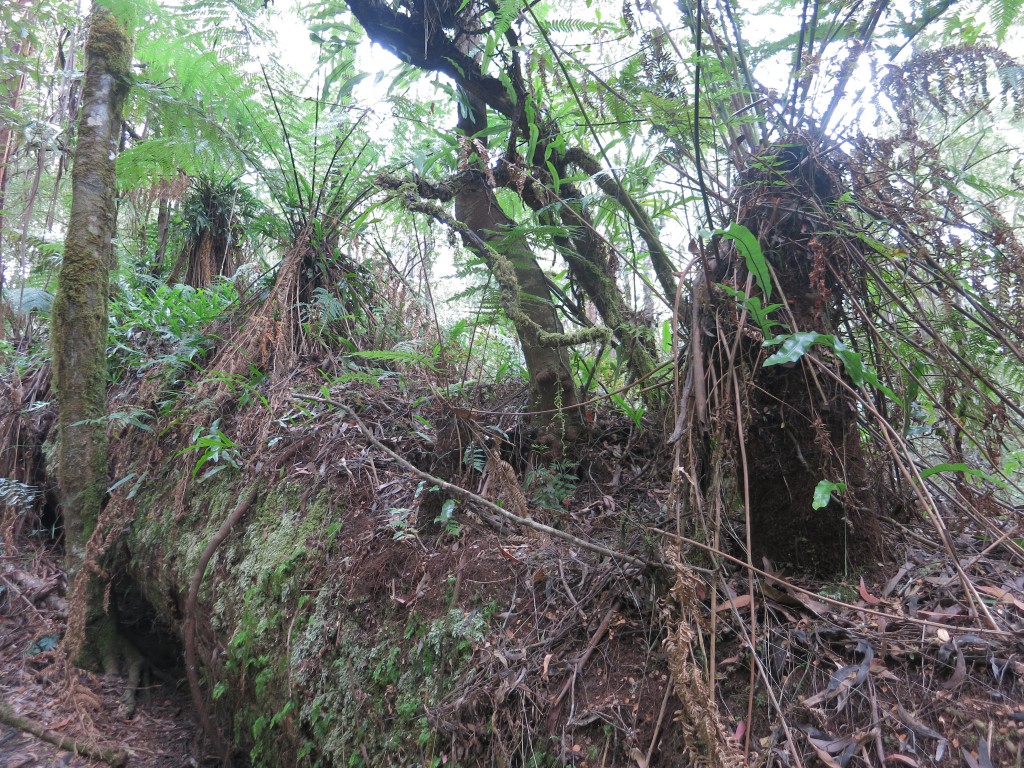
column 82, row 709
column 892, row 667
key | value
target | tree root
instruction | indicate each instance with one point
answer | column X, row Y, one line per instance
column 135, row 663
column 112, row 756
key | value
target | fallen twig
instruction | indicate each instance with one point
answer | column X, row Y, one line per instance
column 112, row 756
column 582, row 660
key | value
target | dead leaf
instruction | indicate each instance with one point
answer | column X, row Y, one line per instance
column 840, row 683
column 741, row 729
column 918, row 728
column 902, row 759
column 960, row 671
column 814, row 606
column 1002, row 596
column 984, row 756
column 892, row 583
column 824, row 756
column 866, row 596
column 741, row 601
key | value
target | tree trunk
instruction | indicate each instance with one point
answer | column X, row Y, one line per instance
column 10, row 91
column 315, row 631
column 413, row 38
column 796, row 424
column 552, row 390
column 80, row 320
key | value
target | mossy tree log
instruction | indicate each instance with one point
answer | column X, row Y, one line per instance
column 320, row 639
column 80, row 319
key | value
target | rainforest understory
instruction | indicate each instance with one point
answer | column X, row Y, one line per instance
column 511, row 384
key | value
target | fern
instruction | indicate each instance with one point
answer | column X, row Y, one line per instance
column 576, row 26
column 395, row 356
column 1005, row 14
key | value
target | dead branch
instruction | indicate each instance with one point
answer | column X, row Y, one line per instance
column 112, row 756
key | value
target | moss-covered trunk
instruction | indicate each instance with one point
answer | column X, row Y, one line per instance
column 80, row 316
column 553, row 392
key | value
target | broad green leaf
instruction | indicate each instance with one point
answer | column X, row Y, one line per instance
column 823, row 493
column 794, row 346
column 970, row 471
column 747, row 245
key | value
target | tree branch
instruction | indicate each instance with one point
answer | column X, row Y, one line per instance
column 663, row 266
column 111, row 756
column 427, row 47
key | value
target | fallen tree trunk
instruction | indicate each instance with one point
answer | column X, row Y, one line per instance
column 326, row 627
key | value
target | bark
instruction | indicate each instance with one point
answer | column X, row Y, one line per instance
column 163, row 220
column 587, row 256
column 80, row 314
column 552, row 390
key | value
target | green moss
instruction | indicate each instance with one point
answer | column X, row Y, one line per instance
column 309, row 669
column 110, row 45
column 375, row 693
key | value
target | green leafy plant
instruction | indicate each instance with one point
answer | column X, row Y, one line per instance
column 758, row 306
column 244, row 386
column 17, row 495
column 754, row 306
column 213, row 446
column 750, row 249
column 166, row 327
column 793, row 346
column 400, row 521
column 549, row 485
column 823, row 493
column 446, row 519
column 635, row 411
